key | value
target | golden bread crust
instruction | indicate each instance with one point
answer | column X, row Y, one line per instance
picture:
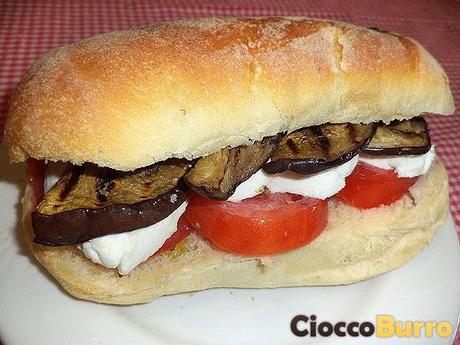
column 355, row 245
column 186, row 89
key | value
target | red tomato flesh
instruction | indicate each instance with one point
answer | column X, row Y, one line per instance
column 183, row 230
column 368, row 187
column 263, row 225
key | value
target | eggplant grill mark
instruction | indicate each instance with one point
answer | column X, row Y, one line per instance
column 352, row 133
column 237, row 154
column 323, row 141
column 103, row 189
column 150, row 181
column 71, row 182
column 105, row 185
column 292, row 145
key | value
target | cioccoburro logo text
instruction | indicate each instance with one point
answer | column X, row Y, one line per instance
column 384, row 326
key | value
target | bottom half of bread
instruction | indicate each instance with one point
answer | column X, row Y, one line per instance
column 355, row 245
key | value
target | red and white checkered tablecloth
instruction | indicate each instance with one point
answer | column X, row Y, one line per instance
column 30, row 28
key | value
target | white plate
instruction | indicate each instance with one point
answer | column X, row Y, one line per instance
column 34, row 310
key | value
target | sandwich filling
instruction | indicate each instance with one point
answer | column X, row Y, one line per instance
column 259, row 199
column 404, row 166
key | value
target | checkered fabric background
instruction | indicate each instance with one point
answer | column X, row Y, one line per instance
column 30, row 28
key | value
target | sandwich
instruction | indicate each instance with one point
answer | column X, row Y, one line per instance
column 237, row 152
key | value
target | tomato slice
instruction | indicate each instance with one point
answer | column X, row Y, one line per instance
column 368, row 187
column 266, row 224
column 183, row 230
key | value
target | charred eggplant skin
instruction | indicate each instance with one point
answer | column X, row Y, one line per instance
column 80, row 225
column 420, row 136
column 216, row 176
column 89, row 202
column 398, row 151
column 294, row 157
column 305, row 166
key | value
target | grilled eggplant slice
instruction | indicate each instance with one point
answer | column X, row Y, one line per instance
column 216, row 176
column 89, row 202
column 407, row 137
column 313, row 149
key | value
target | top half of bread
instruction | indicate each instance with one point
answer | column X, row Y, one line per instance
column 186, row 89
